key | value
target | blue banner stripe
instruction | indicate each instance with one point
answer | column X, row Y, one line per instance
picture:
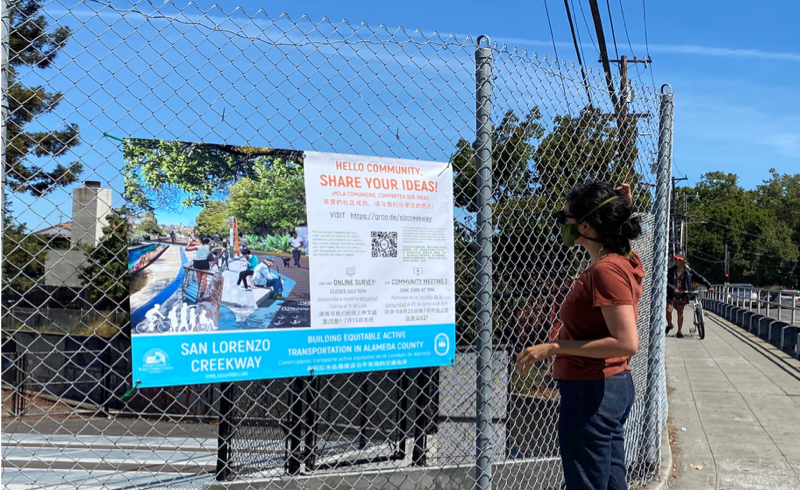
column 193, row 358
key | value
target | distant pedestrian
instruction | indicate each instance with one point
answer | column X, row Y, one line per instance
column 296, row 243
column 172, row 235
column 680, row 283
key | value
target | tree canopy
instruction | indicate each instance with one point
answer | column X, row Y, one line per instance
column 33, row 44
column 273, row 201
column 176, row 174
column 106, row 272
column 761, row 228
column 213, row 219
column 534, row 167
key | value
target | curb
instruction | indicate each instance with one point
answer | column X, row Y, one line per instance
column 666, row 464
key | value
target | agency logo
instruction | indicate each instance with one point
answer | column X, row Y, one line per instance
column 155, row 361
column 441, row 344
column 155, row 357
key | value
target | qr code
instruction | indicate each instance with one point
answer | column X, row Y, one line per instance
column 384, row 244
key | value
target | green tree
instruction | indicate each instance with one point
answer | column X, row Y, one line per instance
column 781, row 194
column 23, row 256
column 149, row 224
column 33, row 44
column 533, row 170
column 171, row 174
column 760, row 243
column 271, row 201
column 213, row 219
column 106, row 272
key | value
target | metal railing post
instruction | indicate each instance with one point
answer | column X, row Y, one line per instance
column 483, row 341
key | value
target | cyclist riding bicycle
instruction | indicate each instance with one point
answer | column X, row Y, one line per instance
column 680, row 281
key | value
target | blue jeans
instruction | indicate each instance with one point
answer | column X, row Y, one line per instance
column 591, row 431
column 276, row 285
column 296, row 256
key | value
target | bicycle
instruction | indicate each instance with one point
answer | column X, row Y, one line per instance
column 699, row 319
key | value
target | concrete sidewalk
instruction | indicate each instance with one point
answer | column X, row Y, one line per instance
column 735, row 405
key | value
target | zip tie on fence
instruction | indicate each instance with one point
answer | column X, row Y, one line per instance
column 113, row 137
column 130, row 392
column 449, row 163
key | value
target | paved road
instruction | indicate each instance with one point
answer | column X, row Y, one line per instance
column 735, row 403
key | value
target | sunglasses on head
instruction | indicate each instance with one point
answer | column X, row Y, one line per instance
column 562, row 217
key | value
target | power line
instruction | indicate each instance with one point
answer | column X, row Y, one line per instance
column 601, row 39
column 630, row 44
column 586, row 23
column 678, row 169
column 708, row 257
column 695, row 256
column 576, row 42
column 558, row 60
column 613, row 34
column 774, row 240
column 646, row 41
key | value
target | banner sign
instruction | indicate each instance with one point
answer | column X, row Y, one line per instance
column 345, row 263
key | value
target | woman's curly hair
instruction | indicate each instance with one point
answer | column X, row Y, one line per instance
column 615, row 222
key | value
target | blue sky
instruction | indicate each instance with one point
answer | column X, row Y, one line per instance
column 732, row 65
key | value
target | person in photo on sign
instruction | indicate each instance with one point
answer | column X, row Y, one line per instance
column 597, row 337
column 265, row 277
column 296, row 243
column 224, row 256
column 201, row 261
column 680, row 282
column 251, row 261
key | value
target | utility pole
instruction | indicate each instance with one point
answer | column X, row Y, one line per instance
column 685, row 222
column 676, row 233
column 626, row 122
column 727, row 264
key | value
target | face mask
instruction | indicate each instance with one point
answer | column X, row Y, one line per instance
column 570, row 233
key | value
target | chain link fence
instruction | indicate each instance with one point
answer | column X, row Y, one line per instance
column 82, row 75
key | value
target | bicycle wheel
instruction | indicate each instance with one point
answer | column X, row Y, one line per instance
column 700, row 322
column 143, row 327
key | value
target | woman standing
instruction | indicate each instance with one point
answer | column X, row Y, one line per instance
column 200, row 262
column 597, row 337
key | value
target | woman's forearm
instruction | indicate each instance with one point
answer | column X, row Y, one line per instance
column 598, row 349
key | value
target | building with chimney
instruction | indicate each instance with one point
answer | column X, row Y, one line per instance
column 91, row 204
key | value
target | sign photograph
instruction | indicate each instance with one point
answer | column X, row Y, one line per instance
column 263, row 263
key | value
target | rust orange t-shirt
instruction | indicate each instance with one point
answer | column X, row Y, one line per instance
column 613, row 280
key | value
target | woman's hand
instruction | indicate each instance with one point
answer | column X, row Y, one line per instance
column 625, row 192
column 531, row 355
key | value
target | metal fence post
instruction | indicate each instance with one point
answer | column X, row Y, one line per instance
column 483, row 342
column 656, row 378
column 5, row 30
